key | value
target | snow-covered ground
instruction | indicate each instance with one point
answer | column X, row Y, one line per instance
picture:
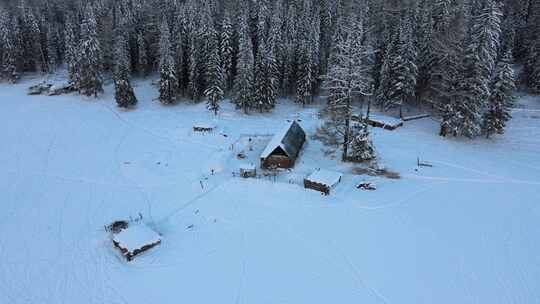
column 465, row 231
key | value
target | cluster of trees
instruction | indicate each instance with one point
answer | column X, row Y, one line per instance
column 453, row 56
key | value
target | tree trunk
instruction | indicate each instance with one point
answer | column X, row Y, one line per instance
column 346, row 141
column 443, row 132
column 368, row 109
column 345, row 155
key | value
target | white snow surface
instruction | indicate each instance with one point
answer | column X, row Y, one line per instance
column 465, row 231
column 136, row 236
column 325, row 177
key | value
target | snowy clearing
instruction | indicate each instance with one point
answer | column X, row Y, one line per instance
column 464, row 231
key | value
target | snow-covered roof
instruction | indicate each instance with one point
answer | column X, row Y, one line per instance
column 325, row 177
column 136, row 237
column 247, row 167
column 204, row 125
column 289, row 139
column 386, row 120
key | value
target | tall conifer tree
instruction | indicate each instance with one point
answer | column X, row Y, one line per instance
column 168, row 81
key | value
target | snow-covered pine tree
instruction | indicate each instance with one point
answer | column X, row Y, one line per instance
column 306, row 73
column 387, row 78
column 262, row 19
column 227, row 51
column 304, row 84
column 325, row 34
column 532, row 62
column 407, row 68
column 3, row 34
column 265, row 83
column 479, row 62
column 362, row 148
column 52, row 47
column 8, row 62
column 290, row 51
column 519, row 15
column 348, row 77
column 531, row 18
column 124, row 94
column 71, row 52
column 473, row 92
column 533, row 68
column 501, row 99
column 90, row 57
column 441, row 15
column 444, row 85
column 243, row 84
column 398, row 77
column 214, row 92
column 509, row 31
column 200, row 51
column 3, row 39
column 179, row 36
column 275, row 42
column 445, row 60
column 315, row 48
column 424, row 40
column 103, row 13
column 143, row 66
column 33, row 57
column 168, row 82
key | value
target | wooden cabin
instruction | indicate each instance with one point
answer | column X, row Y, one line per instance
column 322, row 181
column 284, row 147
column 135, row 240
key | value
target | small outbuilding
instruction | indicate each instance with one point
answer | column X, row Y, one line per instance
column 203, row 127
column 380, row 121
column 384, row 122
column 283, row 149
column 248, row 170
column 39, row 88
column 322, row 180
column 135, row 240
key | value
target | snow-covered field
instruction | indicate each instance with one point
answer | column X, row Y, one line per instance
column 465, row 231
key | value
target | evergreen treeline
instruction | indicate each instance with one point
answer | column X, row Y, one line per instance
column 451, row 56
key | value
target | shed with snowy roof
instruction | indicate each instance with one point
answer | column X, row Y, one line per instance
column 248, row 170
column 135, row 240
column 203, row 127
column 322, row 180
column 283, row 149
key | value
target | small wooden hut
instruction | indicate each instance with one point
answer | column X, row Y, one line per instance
column 384, row 122
column 203, row 127
column 284, row 147
column 135, row 240
column 322, row 180
column 248, row 170
column 380, row 121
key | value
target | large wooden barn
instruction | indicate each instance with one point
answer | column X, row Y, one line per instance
column 284, row 147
